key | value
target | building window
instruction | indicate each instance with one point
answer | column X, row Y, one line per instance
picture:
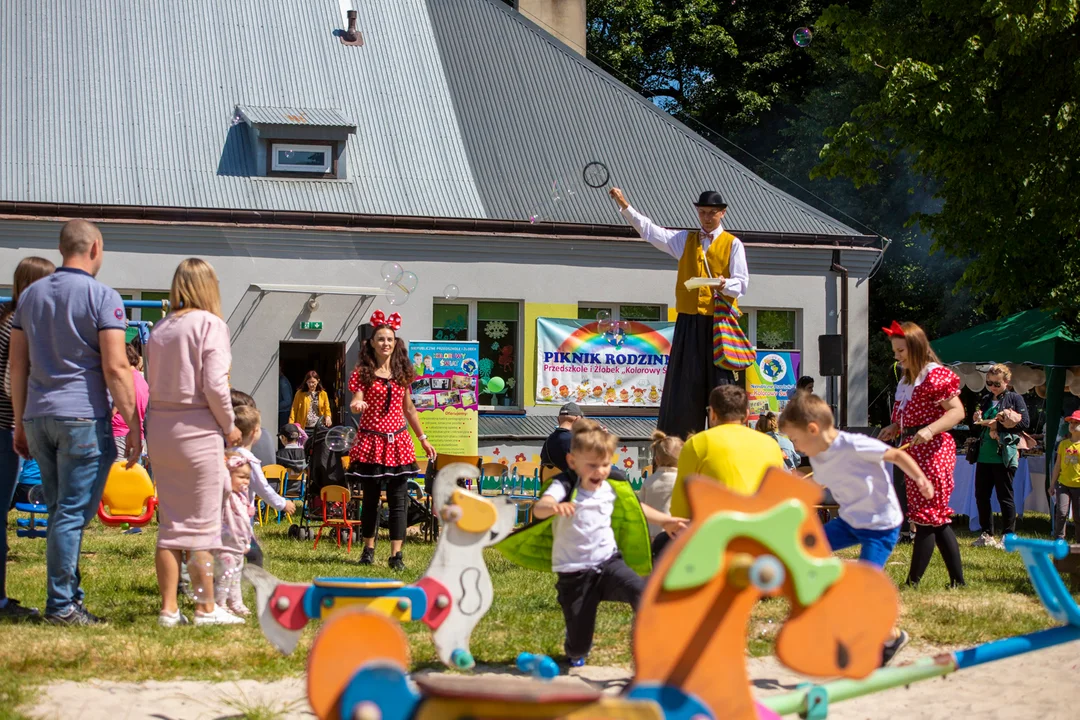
column 771, row 329
column 151, row 315
column 643, row 313
column 496, row 325
column 311, row 159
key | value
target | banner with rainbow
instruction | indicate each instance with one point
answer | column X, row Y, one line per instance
column 620, row 364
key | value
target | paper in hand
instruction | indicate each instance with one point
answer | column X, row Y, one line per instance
column 700, row 282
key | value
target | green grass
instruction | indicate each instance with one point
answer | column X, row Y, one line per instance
column 118, row 574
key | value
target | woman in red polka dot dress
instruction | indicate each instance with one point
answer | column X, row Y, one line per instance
column 927, row 406
column 383, row 452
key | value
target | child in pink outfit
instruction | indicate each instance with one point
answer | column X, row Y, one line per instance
column 237, row 512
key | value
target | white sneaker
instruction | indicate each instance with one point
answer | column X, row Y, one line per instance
column 167, row 621
column 984, row 540
column 219, row 616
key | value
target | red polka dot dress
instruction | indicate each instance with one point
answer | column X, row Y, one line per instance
column 384, row 448
column 914, row 408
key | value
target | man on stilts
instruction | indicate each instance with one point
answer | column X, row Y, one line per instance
column 709, row 252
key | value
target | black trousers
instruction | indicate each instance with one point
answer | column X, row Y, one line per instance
column 988, row 478
column 900, row 485
column 691, row 376
column 395, row 500
column 580, row 594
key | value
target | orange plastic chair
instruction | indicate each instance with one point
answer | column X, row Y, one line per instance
column 336, row 494
column 129, row 497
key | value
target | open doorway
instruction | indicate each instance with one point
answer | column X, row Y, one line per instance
column 325, row 358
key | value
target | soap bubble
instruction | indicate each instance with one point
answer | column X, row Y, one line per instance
column 534, row 217
column 36, row 495
column 802, row 37
column 340, row 438
column 397, row 294
column 450, row 292
column 408, row 281
column 392, row 272
column 603, row 322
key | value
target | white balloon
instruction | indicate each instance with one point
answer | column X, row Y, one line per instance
column 1074, row 386
column 1023, row 386
column 1069, row 377
column 1038, row 376
column 965, row 368
column 975, row 381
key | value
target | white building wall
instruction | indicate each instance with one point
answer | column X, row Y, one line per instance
column 536, row 269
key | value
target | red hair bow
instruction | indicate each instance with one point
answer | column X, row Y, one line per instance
column 894, row 330
column 378, row 320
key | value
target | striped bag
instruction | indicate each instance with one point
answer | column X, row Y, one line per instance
column 731, row 348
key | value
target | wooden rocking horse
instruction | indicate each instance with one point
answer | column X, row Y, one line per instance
column 690, row 634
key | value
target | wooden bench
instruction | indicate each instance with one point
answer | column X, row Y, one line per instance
column 1071, row 564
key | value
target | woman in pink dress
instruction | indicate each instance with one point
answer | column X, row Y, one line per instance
column 384, row 451
column 188, row 357
column 927, row 406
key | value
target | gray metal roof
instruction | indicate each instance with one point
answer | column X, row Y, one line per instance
column 538, row 427
column 315, row 117
column 463, row 109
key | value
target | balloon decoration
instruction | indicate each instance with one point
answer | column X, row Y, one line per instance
column 495, row 386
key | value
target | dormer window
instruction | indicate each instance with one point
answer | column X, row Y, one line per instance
column 298, row 142
column 291, row 158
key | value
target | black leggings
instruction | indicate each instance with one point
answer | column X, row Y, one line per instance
column 926, row 536
column 988, row 478
column 395, row 500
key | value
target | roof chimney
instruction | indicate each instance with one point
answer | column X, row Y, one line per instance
column 565, row 19
column 352, row 36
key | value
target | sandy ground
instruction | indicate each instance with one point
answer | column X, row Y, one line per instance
column 1038, row 685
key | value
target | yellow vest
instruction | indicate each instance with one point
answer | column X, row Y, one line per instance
column 692, row 265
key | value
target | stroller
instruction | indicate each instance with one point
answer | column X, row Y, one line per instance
column 323, row 468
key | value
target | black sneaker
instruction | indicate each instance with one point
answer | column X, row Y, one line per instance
column 894, row 646
column 368, row 556
column 397, row 562
column 77, row 615
column 15, row 612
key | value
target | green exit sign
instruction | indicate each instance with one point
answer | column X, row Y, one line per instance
column 311, row 325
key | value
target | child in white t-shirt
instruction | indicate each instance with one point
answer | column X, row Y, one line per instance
column 584, row 551
column 853, row 467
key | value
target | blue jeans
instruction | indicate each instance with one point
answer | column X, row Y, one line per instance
column 75, row 456
column 9, row 474
column 876, row 545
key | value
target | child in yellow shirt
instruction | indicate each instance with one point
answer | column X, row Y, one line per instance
column 1066, row 480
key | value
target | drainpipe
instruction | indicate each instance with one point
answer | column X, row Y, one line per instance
column 843, row 272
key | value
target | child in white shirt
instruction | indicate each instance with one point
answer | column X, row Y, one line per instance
column 249, row 423
column 656, row 489
column 853, row 467
column 584, row 551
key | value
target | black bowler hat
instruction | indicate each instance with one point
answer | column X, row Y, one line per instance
column 711, row 198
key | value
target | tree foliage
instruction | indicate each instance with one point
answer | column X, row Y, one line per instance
column 984, row 98
column 727, row 61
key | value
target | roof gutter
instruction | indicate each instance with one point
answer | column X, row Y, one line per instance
column 357, row 221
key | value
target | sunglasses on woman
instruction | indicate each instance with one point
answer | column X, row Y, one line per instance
column 990, row 384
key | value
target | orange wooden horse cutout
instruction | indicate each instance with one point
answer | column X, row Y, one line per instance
column 695, row 638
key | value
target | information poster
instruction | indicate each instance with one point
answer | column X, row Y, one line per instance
column 623, row 367
column 445, row 393
column 771, row 380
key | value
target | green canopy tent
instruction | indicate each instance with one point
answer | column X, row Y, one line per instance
column 1035, row 337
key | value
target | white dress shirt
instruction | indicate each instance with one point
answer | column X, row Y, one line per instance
column 673, row 241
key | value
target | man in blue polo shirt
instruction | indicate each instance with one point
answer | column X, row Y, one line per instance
column 67, row 354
